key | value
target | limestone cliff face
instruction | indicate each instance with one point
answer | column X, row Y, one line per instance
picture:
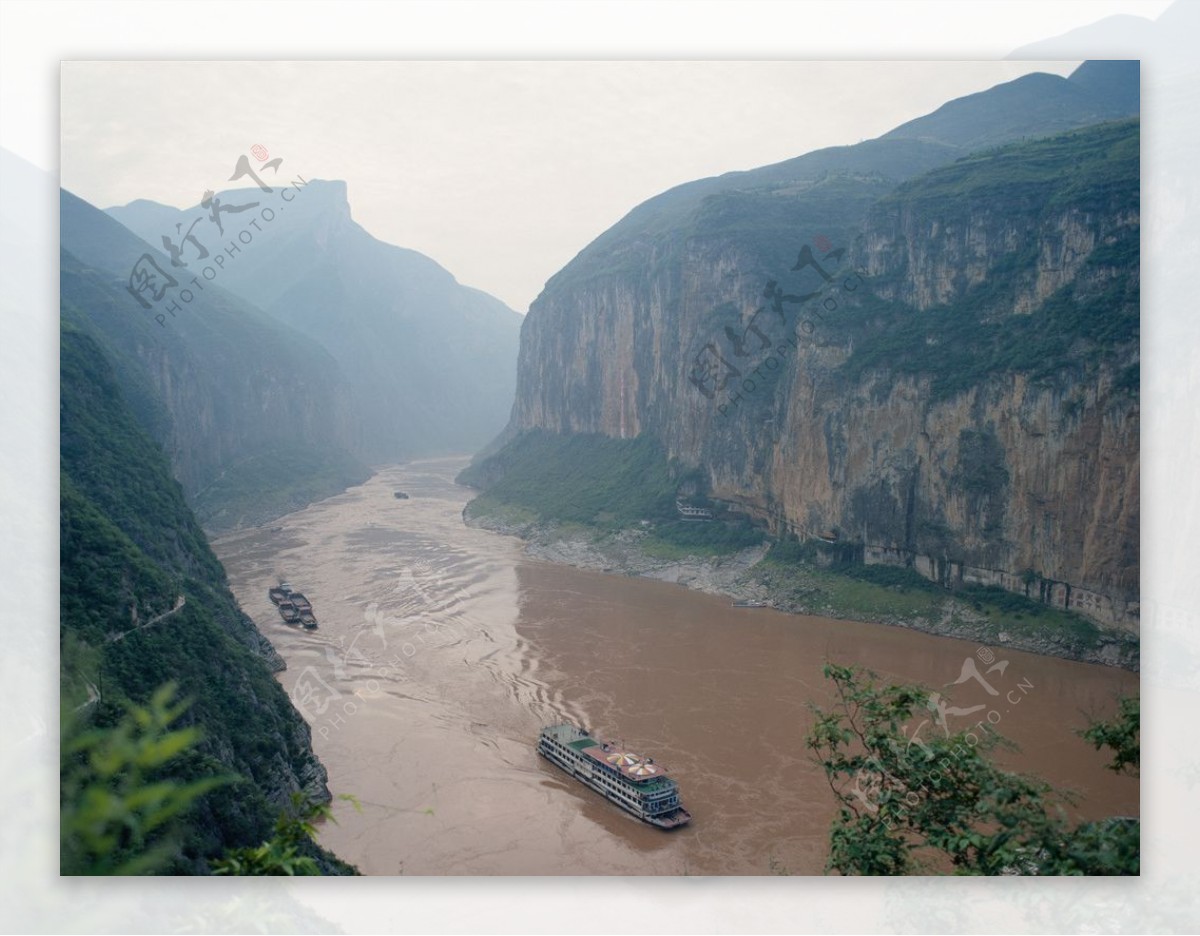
column 426, row 362
column 959, row 396
column 251, row 408
column 243, row 406
column 1033, row 489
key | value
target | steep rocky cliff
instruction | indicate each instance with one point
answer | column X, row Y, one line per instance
column 145, row 602
column 940, row 372
column 256, row 419
column 429, row 363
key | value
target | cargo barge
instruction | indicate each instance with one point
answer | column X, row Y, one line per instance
column 293, row 607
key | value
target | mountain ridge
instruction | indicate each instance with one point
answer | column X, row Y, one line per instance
column 399, row 324
column 221, row 372
column 861, row 427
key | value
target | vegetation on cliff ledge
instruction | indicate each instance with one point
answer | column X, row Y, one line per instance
column 1090, row 321
column 819, row 578
column 590, row 487
column 600, row 484
column 587, row 479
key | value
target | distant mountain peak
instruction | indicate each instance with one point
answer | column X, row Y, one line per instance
column 1036, row 104
column 430, row 362
column 1117, row 80
column 318, row 194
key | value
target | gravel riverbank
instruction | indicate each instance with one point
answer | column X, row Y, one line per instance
column 742, row 576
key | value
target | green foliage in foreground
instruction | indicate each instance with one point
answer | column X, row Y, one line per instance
column 144, row 601
column 913, row 801
column 1123, row 735
column 117, row 807
column 284, row 853
column 123, row 811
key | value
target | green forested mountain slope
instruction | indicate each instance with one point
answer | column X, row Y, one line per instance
column 144, row 601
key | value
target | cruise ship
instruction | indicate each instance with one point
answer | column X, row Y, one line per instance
column 635, row 783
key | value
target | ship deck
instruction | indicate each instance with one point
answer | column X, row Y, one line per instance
column 639, row 769
column 643, row 771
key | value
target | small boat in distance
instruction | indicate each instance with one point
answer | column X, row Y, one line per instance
column 279, row 593
column 400, row 495
column 746, row 603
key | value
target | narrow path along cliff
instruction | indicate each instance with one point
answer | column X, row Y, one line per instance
column 180, row 601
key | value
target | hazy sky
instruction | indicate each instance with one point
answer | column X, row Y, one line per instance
column 500, row 171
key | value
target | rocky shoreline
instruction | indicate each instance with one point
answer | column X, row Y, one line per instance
column 742, row 577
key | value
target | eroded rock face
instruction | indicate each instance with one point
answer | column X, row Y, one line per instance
column 420, row 363
column 966, row 451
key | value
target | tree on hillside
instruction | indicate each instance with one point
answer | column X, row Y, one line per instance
column 123, row 811
column 1122, row 735
column 119, row 806
column 913, row 802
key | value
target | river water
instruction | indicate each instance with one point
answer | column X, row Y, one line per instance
column 442, row 650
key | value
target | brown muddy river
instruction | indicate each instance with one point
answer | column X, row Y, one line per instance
column 442, row 650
